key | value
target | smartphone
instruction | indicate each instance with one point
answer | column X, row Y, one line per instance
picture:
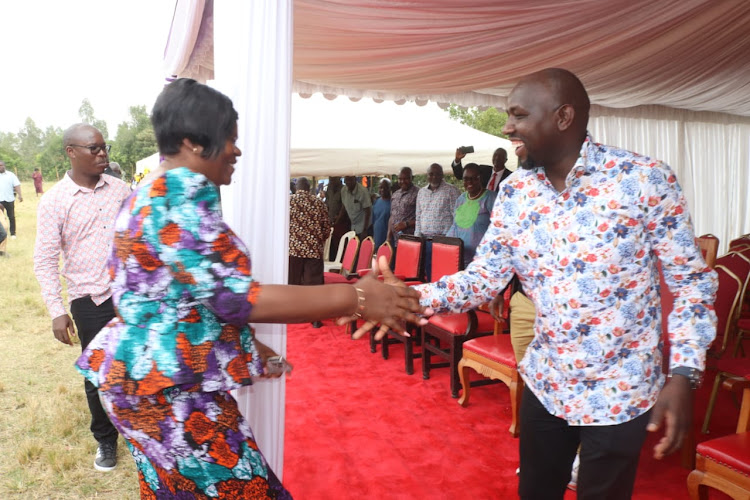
column 467, row 149
column 277, row 364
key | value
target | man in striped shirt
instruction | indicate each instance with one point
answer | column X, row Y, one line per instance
column 76, row 218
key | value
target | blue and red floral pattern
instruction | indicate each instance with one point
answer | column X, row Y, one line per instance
column 587, row 257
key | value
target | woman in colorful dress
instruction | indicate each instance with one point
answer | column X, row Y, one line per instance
column 472, row 215
column 184, row 296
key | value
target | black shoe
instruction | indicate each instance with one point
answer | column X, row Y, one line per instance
column 106, row 457
column 317, row 324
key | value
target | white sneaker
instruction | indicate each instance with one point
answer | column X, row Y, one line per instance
column 13, row 237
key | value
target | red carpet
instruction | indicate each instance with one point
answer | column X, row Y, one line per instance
column 358, row 426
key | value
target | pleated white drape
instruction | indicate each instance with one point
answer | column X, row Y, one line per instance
column 252, row 61
column 709, row 152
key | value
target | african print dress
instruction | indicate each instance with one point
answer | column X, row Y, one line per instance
column 164, row 366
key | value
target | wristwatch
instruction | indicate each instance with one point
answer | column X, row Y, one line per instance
column 694, row 375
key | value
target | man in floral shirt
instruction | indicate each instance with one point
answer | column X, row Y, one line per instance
column 584, row 226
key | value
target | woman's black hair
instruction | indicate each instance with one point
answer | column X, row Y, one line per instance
column 186, row 109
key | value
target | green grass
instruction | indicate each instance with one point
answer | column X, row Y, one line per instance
column 46, row 448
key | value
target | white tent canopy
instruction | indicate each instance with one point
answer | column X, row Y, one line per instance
column 341, row 137
column 344, row 138
column 148, row 163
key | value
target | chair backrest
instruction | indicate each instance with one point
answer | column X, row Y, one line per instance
column 409, row 257
column 350, row 256
column 327, row 245
column 447, row 256
column 385, row 250
column 743, row 240
column 709, row 245
column 726, row 307
column 364, row 260
column 739, row 264
column 342, row 245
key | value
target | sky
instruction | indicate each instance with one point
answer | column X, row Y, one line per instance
column 56, row 53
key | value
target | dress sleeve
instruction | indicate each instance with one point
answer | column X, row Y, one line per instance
column 203, row 253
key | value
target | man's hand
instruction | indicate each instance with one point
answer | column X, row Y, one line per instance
column 675, row 407
column 459, row 155
column 497, row 306
column 62, row 327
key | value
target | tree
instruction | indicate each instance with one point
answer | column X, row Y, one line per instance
column 490, row 120
column 29, row 144
column 86, row 112
column 52, row 159
column 135, row 140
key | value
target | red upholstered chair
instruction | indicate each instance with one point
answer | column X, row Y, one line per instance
column 364, row 258
column 493, row 357
column 444, row 334
column 384, row 250
column 446, row 259
column 409, row 258
column 407, row 268
column 726, row 306
column 724, row 463
column 348, row 262
column 742, row 241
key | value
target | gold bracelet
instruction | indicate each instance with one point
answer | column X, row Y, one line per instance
column 360, row 303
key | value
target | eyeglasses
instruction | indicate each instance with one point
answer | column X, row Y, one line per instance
column 95, row 149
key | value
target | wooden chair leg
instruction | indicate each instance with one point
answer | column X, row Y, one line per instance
column 712, row 402
column 426, row 356
column 463, row 375
column 696, row 489
column 409, row 356
column 373, row 342
column 516, row 391
column 688, row 450
column 455, row 358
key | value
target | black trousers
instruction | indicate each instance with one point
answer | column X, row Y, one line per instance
column 609, row 455
column 10, row 208
column 89, row 319
column 305, row 271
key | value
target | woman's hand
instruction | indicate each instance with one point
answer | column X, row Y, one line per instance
column 265, row 352
column 389, row 303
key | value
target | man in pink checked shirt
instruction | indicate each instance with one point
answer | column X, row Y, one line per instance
column 76, row 218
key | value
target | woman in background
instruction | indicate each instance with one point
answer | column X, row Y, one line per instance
column 184, row 295
column 471, row 217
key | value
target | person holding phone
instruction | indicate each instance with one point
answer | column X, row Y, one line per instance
column 491, row 176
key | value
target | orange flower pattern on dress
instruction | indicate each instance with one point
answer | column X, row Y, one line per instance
column 183, row 292
column 587, row 257
column 189, row 444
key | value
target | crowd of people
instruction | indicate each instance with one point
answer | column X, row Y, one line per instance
column 162, row 296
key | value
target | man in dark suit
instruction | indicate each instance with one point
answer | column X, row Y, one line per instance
column 492, row 176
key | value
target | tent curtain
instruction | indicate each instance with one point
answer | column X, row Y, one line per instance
column 709, row 152
column 253, row 67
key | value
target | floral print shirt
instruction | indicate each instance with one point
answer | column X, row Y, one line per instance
column 587, row 258
column 183, row 292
